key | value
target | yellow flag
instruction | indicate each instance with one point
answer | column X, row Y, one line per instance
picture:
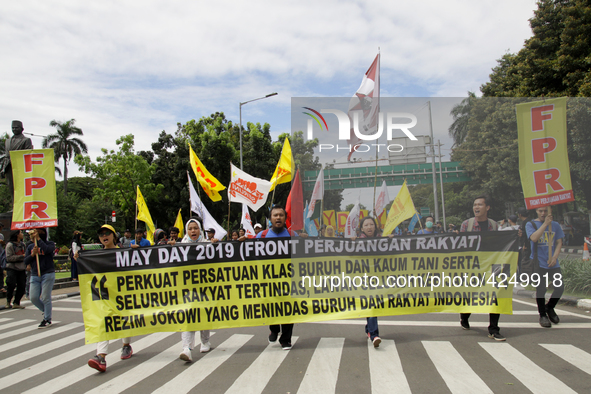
column 144, row 215
column 207, row 181
column 402, row 208
column 284, row 168
column 180, row 225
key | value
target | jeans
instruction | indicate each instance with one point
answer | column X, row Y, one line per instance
column 371, row 327
column 40, row 292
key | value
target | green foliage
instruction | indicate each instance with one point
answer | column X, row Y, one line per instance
column 576, row 275
column 121, row 172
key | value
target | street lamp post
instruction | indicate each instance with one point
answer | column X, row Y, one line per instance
column 240, row 109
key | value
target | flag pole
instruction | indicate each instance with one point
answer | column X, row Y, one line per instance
column 229, row 235
column 375, row 179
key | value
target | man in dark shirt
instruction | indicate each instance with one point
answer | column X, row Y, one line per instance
column 481, row 222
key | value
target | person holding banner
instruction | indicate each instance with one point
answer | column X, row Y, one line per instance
column 481, row 222
column 368, row 228
column 39, row 255
column 139, row 240
column 107, row 237
column 544, row 232
column 429, row 222
column 194, row 234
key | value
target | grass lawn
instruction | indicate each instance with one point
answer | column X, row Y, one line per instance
column 60, row 275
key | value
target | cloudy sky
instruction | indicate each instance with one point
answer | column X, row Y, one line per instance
column 140, row 67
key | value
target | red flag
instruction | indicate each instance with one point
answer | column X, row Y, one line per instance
column 366, row 99
column 295, row 205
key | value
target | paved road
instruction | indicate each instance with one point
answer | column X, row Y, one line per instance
column 419, row 354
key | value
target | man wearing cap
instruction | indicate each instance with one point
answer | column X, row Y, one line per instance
column 17, row 142
column 258, row 228
column 107, row 237
column 139, row 240
column 210, row 233
column 125, row 241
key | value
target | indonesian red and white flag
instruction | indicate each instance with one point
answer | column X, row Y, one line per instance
column 383, row 200
column 246, row 222
column 352, row 222
column 318, row 193
column 367, row 102
column 248, row 189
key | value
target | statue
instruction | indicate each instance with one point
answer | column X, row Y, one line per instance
column 17, row 142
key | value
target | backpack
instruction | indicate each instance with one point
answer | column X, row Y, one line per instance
column 471, row 221
column 265, row 232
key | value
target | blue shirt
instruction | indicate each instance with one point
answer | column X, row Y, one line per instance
column 553, row 235
column 273, row 234
column 143, row 242
column 424, row 231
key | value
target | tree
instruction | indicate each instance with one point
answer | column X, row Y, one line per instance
column 64, row 145
column 121, row 172
column 460, row 113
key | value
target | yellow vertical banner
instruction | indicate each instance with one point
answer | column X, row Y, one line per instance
column 342, row 221
column 329, row 218
column 363, row 213
column 543, row 157
column 35, row 202
column 402, row 208
column 143, row 214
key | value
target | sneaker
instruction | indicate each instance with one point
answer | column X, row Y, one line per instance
column 273, row 337
column 205, row 347
column 376, row 342
column 550, row 311
column 186, row 355
column 44, row 324
column 8, row 306
column 286, row 345
column 497, row 337
column 17, row 306
column 126, row 352
column 465, row 325
column 545, row 322
column 98, row 362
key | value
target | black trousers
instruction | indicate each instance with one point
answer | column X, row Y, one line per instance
column 286, row 330
column 15, row 279
column 493, row 321
column 554, row 277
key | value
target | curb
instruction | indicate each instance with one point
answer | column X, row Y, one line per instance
column 571, row 251
column 53, row 297
column 581, row 303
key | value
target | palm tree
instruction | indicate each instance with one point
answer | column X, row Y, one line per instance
column 64, row 146
column 461, row 114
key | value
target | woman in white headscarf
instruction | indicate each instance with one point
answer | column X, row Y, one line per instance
column 194, row 234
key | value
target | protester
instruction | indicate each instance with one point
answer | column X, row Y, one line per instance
column 76, row 246
column 160, row 237
column 139, row 240
column 210, row 233
column 107, row 236
column 235, row 235
column 428, row 229
column 16, row 270
column 511, row 224
column 40, row 252
column 329, row 232
column 194, row 234
column 369, row 229
column 125, row 241
column 278, row 230
column 258, row 228
column 173, row 234
column 481, row 222
column 544, row 232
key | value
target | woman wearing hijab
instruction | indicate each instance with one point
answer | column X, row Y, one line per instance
column 329, row 232
column 194, row 234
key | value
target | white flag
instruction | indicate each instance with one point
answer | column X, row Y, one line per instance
column 383, row 200
column 247, row 189
column 198, row 207
column 365, row 104
column 317, row 194
column 246, row 222
column 352, row 222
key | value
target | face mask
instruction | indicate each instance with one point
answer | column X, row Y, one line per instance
column 429, row 224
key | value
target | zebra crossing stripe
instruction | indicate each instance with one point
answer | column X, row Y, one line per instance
column 71, row 299
column 571, row 354
column 17, row 323
column 526, row 371
column 323, row 369
column 85, row 371
column 21, row 331
column 43, row 334
column 201, row 369
column 36, row 351
column 454, row 370
column 385, row 368
column 62, row 309
column 256, row 377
